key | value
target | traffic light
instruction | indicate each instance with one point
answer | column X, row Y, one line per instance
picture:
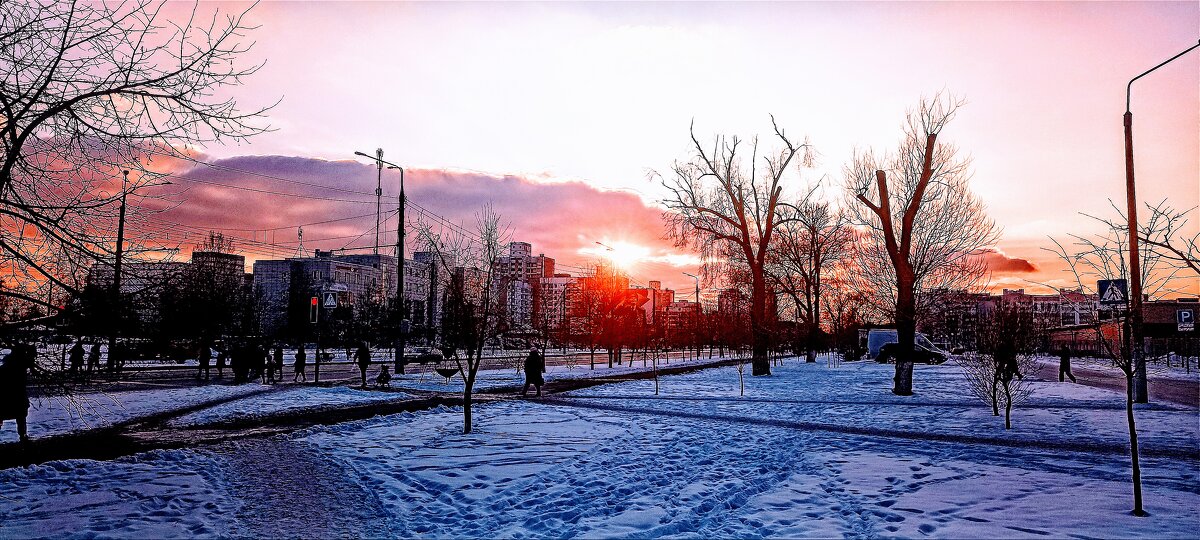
column 313, row 310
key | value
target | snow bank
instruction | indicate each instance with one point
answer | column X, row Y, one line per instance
column 55, row 416
column 295, row 399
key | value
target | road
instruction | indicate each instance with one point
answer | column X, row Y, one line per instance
column 1162, row 389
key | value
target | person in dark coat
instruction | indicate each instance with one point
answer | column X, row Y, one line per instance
column 363, row 357
column 1064, row 364
column 384, row 378
column 278, row 361
column 266, row 366
column 1006, row 357
column 204, row 358
column 301, row 363
column 535, row 366
column 14, row 392
column 222, row 358
column 75, row 355
column 239, row 362
column 93, row 360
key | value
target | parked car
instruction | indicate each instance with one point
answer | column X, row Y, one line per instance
column 921, row 354
column 879, row 340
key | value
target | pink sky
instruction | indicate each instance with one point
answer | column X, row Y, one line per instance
column 551, row 107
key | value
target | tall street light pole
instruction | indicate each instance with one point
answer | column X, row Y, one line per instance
column 699, row 311
column 400, row 307
column 1137, row 354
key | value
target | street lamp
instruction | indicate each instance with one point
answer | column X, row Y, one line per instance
column 1140, row 391
column 699, row 311
column 399, row 252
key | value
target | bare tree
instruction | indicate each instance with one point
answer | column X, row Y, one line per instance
column 1165, row 231
column 925, row 224
column 1105, row 256
column 813, row 237
column 88, row 89
column 472, row 314
column 1005, row 343
column 724, row 206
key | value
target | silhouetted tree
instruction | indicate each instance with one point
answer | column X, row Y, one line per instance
column 727, row 208
column 87, row 89
column 814, row 236
column 925, row 226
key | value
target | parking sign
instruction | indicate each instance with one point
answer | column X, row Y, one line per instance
column 1185, row 320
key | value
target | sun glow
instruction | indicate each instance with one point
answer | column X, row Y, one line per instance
column 623, row 255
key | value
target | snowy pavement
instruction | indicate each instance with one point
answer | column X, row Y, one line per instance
column 617, row 461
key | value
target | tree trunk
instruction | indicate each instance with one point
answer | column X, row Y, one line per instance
column 906, row 329
column 1133, row 448
column 468, row 383
column 1007, row 405
column 758, row 325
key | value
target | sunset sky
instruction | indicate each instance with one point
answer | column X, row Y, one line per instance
column 557, row 112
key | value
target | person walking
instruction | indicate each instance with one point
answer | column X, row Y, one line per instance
column 222, row 358
column 301, row 362
column 268, row 365
column 204, row 358
column 1064, row 364
column 279, row 361
column 93, row 360
column 75, row 355
column 363, row 357
column 14, row 391
column 535, row 366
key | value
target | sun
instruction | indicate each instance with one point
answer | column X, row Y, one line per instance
column 621, row 254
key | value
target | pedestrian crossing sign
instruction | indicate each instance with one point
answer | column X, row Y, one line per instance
column 1113, row 292
column 330, row 300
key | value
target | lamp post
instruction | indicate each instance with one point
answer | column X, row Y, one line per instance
column 1137, row 356
column 403, row 312
column 699, row 310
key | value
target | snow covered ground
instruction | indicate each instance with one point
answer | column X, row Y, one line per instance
column 294, row 399
column 813, row 451
column 56, row 416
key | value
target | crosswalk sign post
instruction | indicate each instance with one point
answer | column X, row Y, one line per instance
column 1113, row 292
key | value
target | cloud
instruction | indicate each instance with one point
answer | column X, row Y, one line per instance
column 560, row 219
column 1000, row 263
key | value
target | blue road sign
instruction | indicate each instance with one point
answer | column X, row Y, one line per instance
column 1185, row 320
column 1113, row 292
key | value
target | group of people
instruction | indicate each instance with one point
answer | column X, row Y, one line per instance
column 250, row 360
column 85, row 361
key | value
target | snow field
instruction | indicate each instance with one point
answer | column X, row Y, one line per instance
column 812, row 451
column 161, row 494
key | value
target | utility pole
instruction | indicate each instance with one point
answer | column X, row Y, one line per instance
column 378, row 195
column 1136, row 347
column 402, row 312
column 400, row 277
column 116, row 287
column 699, row 311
